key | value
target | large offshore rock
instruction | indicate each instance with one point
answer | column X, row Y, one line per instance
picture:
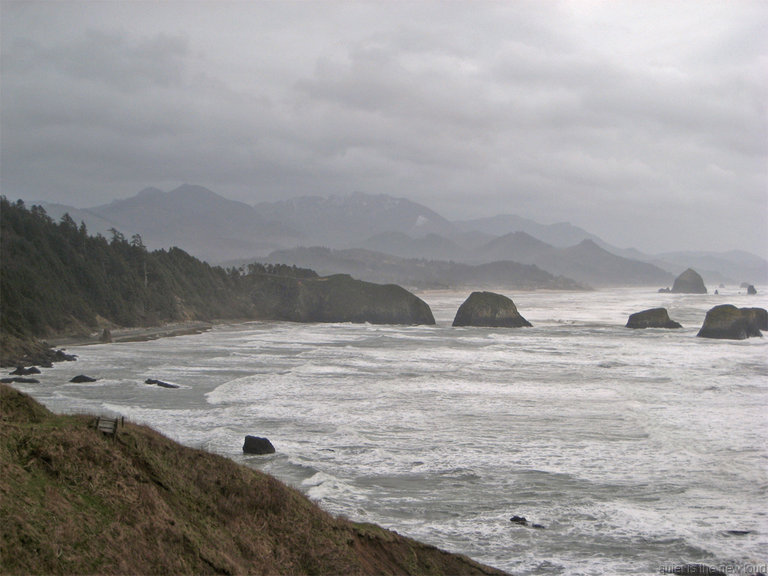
column 258, row 445
column 728, row 322
column 338, row 298
column 689, row 282
column 652, row 318
column 489, row 309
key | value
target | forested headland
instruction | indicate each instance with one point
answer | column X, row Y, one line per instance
column 56, row 279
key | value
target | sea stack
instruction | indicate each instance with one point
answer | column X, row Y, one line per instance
column 652, row 318
column 728, row 322
column 258, row 445
column 689, row 282
column 491, row 310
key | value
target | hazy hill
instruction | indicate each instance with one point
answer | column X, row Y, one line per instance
column 732, row 267
column 561, row 234
column 588, row 260
column 73, row 501
column 420, row 273
column 585, row 262
column 344, row 221
column 517, row 246
column 431, row 246
column 205, row 224
column 218, row 230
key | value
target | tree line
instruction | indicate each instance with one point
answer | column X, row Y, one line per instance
column 57, row 278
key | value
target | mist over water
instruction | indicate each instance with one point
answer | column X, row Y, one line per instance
column 635, row 449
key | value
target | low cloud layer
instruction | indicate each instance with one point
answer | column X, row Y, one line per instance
column 644, row 122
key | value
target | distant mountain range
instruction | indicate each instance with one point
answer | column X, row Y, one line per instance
column 220, row 230
column 411, row 272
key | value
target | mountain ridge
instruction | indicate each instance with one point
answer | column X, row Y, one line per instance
column 219, row 230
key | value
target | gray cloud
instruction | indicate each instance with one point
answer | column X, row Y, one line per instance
column 645, row 122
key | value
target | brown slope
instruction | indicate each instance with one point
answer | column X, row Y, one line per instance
column 73, row 501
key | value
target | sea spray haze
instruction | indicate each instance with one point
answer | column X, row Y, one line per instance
column 635, row 449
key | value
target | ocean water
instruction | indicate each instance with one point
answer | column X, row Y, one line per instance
column 636, row 450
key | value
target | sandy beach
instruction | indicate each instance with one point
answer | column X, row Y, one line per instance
column 132, row 334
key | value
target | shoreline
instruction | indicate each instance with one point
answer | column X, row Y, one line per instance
column 142, row 334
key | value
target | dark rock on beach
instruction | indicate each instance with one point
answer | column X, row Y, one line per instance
column 652, row 318
column 82, row 378
column 728, row 322
column 689, row 282
column 751, row 290
column 21, row 371
column 489, row 309
column 160, row 383
column 19, row 380
column 61, row 356
column 258, row 445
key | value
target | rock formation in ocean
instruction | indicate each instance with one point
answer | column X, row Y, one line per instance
column 689, row 282
column 160, row 383
column 338, row 298
column 652, row 318
column 22, row 371
column 258, row 445
column 82, row 378
column 728, row 322
column 489, row 309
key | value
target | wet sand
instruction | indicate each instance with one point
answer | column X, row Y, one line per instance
column 132, row 334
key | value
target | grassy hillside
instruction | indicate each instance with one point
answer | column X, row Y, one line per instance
column 75, row 501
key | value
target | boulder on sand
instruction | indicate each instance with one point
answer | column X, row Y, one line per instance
column 489, row 309
column 258, row 445
column 22, row 371
column 652, row 318
column 728, row 322
column 689, row 282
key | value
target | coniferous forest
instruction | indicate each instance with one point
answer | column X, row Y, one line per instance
column 55, row 278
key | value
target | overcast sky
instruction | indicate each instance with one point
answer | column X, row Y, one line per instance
column 644, row 122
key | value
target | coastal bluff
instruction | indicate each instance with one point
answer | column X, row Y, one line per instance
column 490, row 310
column 337, row 298
column 143, row 504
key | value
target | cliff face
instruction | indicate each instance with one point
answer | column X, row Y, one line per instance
column 337, row 298
column 489, row 309
column 73, row 501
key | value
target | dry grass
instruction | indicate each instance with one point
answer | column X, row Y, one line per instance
column 73, row 501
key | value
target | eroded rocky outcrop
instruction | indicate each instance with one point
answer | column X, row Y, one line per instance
column 689, row 282
column 728, row 322
column 338, row 298
column 652, row 318
column 489, row 309
column 257, row 445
